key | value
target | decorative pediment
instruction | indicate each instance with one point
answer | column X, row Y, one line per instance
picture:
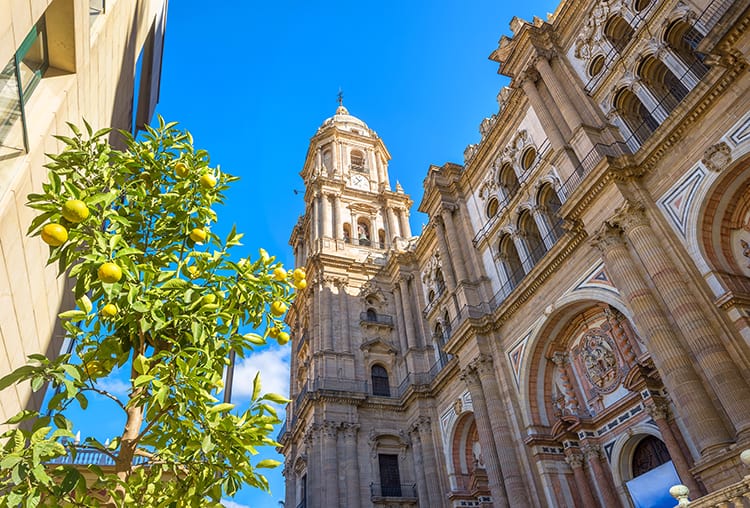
column 378, row 346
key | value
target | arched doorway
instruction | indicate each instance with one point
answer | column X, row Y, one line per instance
column 647, row 472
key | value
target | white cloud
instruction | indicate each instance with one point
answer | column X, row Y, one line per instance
column 115, row 386
column 228, row 503
column 273, row 365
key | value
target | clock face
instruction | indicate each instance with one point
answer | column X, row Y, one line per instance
column 360, row 182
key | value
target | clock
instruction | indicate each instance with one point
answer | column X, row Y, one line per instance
column 360, row 182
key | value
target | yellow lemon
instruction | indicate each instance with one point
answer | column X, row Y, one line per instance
column 273, row 332
column 198, row 235
column 299, row 274
column 300, row 284
column 279, row 273
column 54, row 234
column 181, row 169
column 208, row 181
column 283, row 338
column 109, row 273
column 75, row 211
column 278, row 308
column 109, row 310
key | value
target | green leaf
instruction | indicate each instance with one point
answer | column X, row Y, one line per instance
column 268, row 463
column 84, row 303
column 72, row 314
column 140, row 364
column 256, row 386
column 20, row 417
column 143, row 379
column 224, row 406
column 18, row 374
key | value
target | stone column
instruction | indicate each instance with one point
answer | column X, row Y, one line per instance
column 561, row 98
column 510, row 466
column 593, row 453
column 290, row 486
column 450, row 279
column 423, row 493
column 719, row 368
column 338, row 228
column 621, row 335
column 330, row 465
column 325, row 315
column 430, row 463
column 649, row 101
column 562, row 362
column 540, row 108
column 523, row 251
column 575, row 461
column 539, row 213
column 314, row 218
column 313, row 443
column 393, row 229
column 659, row 411
column 672, row 361
column 400, row 325
column 405, row 226
column 326, row 216
column 459, row 265
column 486, row 439
column 351, row 466
column 675, row 64
column 344, row 315
column 406, row 306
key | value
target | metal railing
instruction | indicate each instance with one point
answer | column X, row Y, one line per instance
column 282, row 431
column 408, row 490
column 380, row 319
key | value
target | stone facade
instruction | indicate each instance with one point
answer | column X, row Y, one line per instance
column 575, row 314
column 76, row 60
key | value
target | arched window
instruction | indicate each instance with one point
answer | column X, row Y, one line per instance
column 649, row 454
column 447, row 326
column 371, row 315
column 327, row 160
column 380, row 385
column 596, row 65
column 508, row 181
column 347, row 233
column 635, row 115
column 531, row 234
column 430, row 296
column 492, row 208
column 664, row 85
column 363, row 232
column 440, row 340
column 550, row 203
column 618, row 32
column 528, row 159
column 381, row 238
column 639, row 5
column 511, row 262
column 357, row 160
column 683, row 38
column 439, row 280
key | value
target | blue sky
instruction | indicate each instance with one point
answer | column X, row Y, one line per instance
column 253, row 81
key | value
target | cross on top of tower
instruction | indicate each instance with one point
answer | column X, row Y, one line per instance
column 341, row 110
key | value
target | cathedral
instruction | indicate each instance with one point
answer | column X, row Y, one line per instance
column 572, row 327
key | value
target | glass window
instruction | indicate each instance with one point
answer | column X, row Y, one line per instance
column 18, row 79
column 380, row 385
column 390, row 479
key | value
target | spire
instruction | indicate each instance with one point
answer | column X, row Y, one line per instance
column 341, row 110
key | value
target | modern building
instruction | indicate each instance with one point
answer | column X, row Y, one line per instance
column 62, row 61
column 572, row 327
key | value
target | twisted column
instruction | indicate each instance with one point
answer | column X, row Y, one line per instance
column 672, row 361
column 506, row 447
column 562, row 362
column 712, row 357
column 615, row 320
column 486, row 439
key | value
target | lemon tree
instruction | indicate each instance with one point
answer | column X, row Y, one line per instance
column 158, row 293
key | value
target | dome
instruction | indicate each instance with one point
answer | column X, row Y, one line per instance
column 344, row 121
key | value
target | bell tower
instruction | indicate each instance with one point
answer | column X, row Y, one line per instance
column 348, row 340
